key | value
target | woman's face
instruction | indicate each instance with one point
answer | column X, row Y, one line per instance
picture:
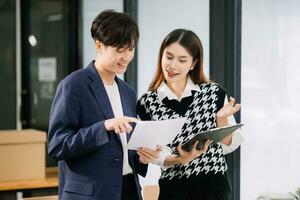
column 176, row 63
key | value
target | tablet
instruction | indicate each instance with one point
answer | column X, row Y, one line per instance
column 215, row 134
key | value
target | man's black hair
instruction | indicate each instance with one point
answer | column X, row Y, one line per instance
column 115, row 29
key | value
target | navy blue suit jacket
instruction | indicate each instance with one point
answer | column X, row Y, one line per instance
column 90, row 159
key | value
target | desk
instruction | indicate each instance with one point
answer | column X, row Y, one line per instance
column 50, row 182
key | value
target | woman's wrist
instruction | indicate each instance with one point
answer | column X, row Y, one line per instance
column 182, row 160
column 179, row 160
column 172, row 160
column 222, row 121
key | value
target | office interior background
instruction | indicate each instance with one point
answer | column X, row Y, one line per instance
column 251, row 48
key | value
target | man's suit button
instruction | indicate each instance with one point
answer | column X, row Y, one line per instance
column 117, row 159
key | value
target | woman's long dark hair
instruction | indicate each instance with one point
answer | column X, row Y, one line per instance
column 190, row 41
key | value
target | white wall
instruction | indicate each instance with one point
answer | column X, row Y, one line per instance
column 156, row 19
column 270, row 95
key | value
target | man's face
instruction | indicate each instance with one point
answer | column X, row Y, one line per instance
column 115, row 60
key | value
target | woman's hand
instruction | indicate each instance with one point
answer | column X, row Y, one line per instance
column 226, row 111
column 120, row 124
column 148, row 155
column 223, row 117
column 188, row 156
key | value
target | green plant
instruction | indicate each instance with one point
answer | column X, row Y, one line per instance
column 296, row 195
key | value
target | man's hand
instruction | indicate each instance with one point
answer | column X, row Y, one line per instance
column 120, row 124
column 148, row 155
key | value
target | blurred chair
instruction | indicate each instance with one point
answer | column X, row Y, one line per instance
column 42, row 198
column 274, row 196
column 150, row 192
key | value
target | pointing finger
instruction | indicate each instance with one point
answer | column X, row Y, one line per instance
column 132, row 119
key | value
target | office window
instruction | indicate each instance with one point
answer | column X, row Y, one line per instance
column 270, row 95
column 8, row 65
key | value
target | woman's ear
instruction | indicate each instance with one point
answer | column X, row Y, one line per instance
column 194, row 64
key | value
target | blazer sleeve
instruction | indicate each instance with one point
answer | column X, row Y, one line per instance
column 66, row 139
column 138, row 167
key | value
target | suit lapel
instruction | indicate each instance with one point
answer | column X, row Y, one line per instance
column 101, row 96
column 100, row 93
column 125, row 100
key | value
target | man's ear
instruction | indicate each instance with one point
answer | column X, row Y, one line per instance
column 99, row 46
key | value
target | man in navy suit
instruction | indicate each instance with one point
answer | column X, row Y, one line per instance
column 90, row 120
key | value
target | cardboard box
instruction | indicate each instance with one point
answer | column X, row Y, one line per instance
column 42, row 198
column 22, row 155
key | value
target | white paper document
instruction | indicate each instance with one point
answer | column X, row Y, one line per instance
column 151, row 133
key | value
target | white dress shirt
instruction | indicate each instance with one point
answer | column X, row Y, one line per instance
column 115, row 101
